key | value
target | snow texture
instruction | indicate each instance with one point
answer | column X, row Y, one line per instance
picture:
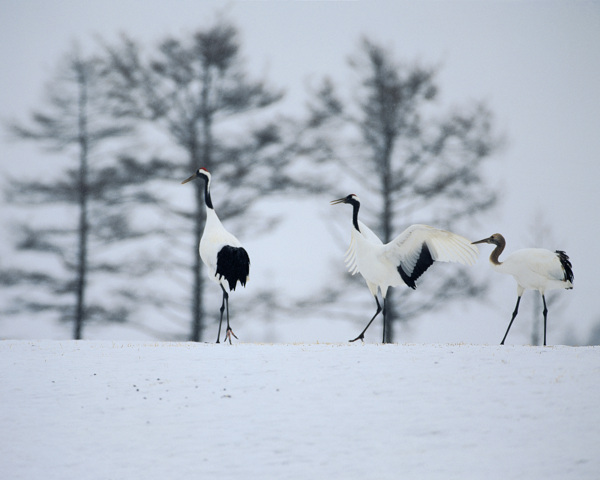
column 110, row 410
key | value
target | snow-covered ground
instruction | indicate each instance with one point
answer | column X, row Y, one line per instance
column 114, row 410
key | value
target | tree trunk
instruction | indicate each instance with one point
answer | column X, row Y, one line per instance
column 387, row 222
column 206, row 162
column 198, row 284
column 83, row 227
column 199, row 219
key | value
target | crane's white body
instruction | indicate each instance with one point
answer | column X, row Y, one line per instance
column 378, row 262
column 534, row 269
column 214, row 238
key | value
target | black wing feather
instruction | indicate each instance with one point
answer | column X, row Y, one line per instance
column 233, row 263
column 423, row 263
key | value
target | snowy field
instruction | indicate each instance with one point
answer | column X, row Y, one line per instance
column 113, row 410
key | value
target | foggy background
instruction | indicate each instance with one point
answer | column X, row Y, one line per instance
column 537, row 65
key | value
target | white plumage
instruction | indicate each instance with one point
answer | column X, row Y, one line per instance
column 222, row 253
column 532, row 268
column 404, row 259
column 214, row 238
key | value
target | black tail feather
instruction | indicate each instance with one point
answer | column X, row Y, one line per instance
column 566, row 264
column 233, row 263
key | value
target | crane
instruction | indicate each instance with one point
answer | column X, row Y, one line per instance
column 532, row 268
column 401, row 261
column 227, row 261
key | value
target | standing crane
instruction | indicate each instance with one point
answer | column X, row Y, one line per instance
column 401, row 261
column 227, row 261
column 532, row 268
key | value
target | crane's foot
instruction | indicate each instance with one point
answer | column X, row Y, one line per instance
column 228, row 335
column 361, row 337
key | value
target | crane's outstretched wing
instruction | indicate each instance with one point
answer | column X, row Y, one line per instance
column 415, row 250
column 350, row 258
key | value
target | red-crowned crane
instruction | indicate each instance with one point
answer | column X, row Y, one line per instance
column 227, row 261
column 532, row 268
column 401, row 261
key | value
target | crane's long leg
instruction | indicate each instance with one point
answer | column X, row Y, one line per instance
column 229, row 331
column 545, row 317
column 222, row 309
column 512, row 319
column 362, row 334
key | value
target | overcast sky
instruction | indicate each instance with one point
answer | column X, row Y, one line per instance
column 537, row 64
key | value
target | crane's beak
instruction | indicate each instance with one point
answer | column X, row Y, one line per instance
column 484, row 240
column 339, row 200
column 190, row 178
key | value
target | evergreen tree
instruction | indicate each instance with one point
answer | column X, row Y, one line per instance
column 72, row 213
column 195, row 91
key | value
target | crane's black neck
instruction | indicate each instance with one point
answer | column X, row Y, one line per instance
column 355, row 207
column 207, row 198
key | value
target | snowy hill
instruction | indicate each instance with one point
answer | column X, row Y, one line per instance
column 110, row 410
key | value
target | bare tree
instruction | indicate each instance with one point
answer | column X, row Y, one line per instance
column 70, row 206
column 195, row 91
column 416, row 165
